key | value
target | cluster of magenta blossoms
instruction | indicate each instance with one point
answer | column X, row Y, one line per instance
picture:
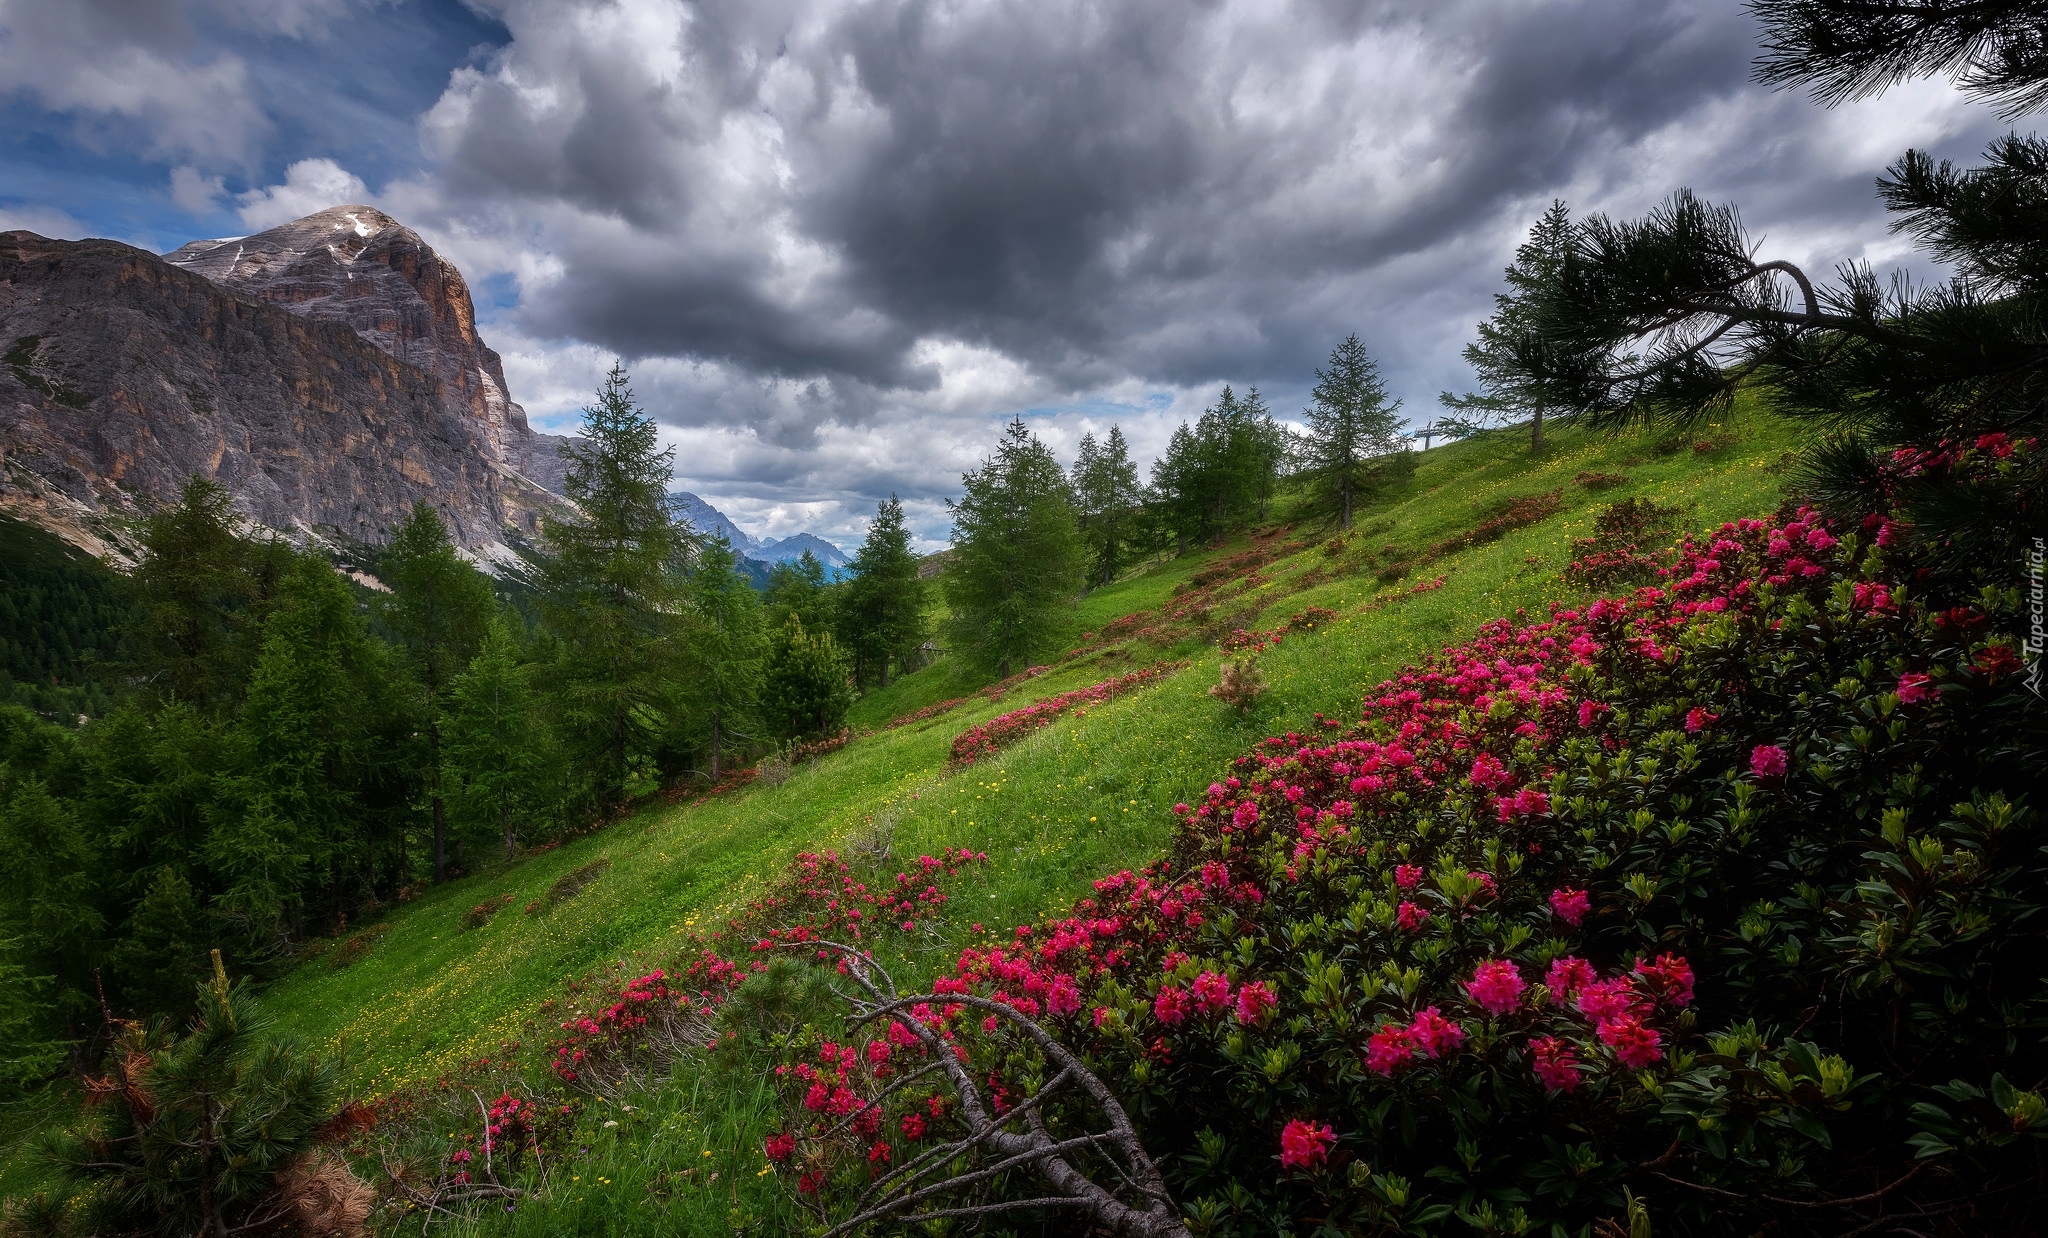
column 987, row 738
column 1629, row 882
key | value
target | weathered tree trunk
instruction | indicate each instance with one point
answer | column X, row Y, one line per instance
column 1536, row 431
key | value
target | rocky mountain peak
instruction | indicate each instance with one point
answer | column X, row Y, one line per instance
column 358, row 266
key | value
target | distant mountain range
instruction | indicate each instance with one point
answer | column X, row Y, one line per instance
column 709, row 520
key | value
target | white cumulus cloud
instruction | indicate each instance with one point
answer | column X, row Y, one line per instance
column 309, row 185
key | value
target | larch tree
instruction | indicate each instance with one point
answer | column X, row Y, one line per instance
column 500, row 757
column 796, row 587
column 1016, row 563
column 1107, row 501
column 611, row 594
column 726, row 650
column 1353, row 446
column 1511, row 344
column 1220, row 474
column 882, row 606
column 437, row 612
column 201, row 592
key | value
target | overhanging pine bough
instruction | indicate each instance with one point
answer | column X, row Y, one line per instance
column 1664, row 319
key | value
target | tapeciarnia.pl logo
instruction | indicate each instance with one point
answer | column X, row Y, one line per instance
column 2037, row 637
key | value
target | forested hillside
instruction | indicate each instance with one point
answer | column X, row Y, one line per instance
column 61, row 615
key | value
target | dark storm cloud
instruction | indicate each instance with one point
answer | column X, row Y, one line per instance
column 839, row 239
column 1165, row 192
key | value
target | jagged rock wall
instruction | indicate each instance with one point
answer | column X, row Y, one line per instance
column 121, row 375
column 357, row 265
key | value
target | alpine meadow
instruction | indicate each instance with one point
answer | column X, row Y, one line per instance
column 1210, row 796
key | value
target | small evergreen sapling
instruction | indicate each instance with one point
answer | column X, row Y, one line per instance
column 210, row 1132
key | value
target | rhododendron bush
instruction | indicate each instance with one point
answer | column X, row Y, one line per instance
column 987, row 738
column 1727, row 893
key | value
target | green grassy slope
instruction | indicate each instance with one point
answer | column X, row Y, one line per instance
column 1089, row 795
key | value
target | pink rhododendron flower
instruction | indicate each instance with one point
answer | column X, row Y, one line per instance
column 913, row 1126
column 1488, row 772
column 1570, row 905
column 1409, row 916
column 1602, row 1000
column 1063, row 998
column 1697, row 719
column 1555, row 1062
column 780, row 1146
column 1496, row 986
column 1212, row 992
column 1254, row 999
column 1767, row 761
column 1171, row 1006
column 1433, row 1035
column 1915, row 687
column 1407, row 876
column 1637, row 1046
column 1387, row 1048
column 878, row 1052
column 1305, row 1145
column 1567, row 976
column 1670, row 978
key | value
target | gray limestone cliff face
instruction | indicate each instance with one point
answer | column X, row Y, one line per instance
column 122, row 375
column 357, row 265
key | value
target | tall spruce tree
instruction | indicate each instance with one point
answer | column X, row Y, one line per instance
column 51, row 896
column 611, row 594
column 1107, row 501
column 1016, row 563
column 1508, row 350
column 1353, row 447
column 726, row 653
column 1666, row 318
column 437, row 612
column 882, row 606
